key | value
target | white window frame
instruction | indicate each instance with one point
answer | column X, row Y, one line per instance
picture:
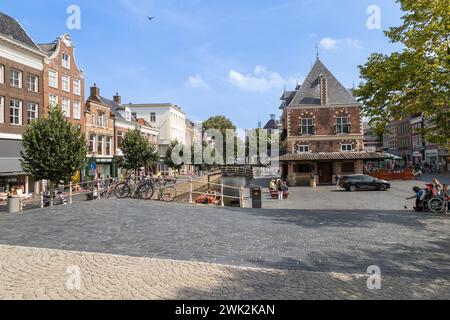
column 65, row 63
column 52, row 103
column 307, row 123
column 12, row 79
column 100, row 143
column 65, row 83
column 345, row 147
column 92, row 139
column 101, row 119
column 77, row 87
column 304, row 148
column 65, row 107
column 93, row 119
column 341, row 123
column 19, row 116
column 2, row 109
column 35, row 111
column 109, row 146
column 35, row 83
column 53, row 78
column 2, row 74
column 77, row 109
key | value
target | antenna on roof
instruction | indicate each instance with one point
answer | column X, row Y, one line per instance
column 317, row 51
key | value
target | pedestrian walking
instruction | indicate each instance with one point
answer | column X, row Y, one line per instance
column 280, row 190
column 338, row 181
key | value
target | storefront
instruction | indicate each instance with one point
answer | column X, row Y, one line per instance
column 104, row 167
column 324, row 167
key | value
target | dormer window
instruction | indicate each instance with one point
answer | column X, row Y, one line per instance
column 66, row 60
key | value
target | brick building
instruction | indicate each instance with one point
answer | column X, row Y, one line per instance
column 21, row 87
column 99, row 127
column 322, row 130
column 124, row 121
column 63, row 80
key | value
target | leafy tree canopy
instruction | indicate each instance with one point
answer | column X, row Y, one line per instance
column 54, row 149
column 138, row 152
column 415, row 80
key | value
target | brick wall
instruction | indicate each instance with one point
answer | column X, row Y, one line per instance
column 9, row 92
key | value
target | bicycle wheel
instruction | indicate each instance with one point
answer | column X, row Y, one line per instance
column 123, row 190
column 145, row 191
column 168, row 194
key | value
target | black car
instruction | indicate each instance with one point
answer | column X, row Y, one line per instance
column 363, row 182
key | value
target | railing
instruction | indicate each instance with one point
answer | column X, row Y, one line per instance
column 191, row 191
column 96, row 187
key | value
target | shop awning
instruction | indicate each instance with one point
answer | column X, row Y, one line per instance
column 393, row 156
column 330, row 156
column 10, row 167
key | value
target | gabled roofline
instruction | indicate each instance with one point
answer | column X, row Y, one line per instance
column 22, row 46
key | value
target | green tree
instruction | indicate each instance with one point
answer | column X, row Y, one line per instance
column 223, row 124
column 175, row 162
column 415, row 80
column 54, row 149
column 138, row 152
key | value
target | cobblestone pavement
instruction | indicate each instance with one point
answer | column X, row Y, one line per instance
column 307, row 253
column 328, row 198
column 28, row 273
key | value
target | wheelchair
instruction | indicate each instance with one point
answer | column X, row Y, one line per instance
column 436, row 205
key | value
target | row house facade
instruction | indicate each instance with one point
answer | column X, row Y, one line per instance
column 403, row 138
column 21, row 100
column 63, row 80
column 99, row 130
column 125, row 121
column 169, row 119
column 322, row 130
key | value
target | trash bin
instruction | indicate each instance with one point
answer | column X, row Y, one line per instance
column 256, row 197
column 13, row 204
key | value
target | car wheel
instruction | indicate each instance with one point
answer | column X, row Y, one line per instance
column 353, row 188
column 383, row 187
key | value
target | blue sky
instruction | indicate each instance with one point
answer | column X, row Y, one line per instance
column 211, row 57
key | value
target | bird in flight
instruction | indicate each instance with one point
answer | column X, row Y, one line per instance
column 150, row 18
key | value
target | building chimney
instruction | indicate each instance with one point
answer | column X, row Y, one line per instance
column 273, row 117
column 117, row 99
column 95, row 91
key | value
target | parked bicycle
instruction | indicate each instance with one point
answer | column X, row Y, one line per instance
column 167, row 191
column 142, row 188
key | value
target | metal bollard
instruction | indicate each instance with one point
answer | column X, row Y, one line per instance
column 98, row 190
column 190, row 192
column 222, row 197
column 70, row 193
column 42, row 199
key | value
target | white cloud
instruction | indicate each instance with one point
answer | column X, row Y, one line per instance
column 260, row 80
column 197, row 82
column 347, row 43
column 328, row 43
